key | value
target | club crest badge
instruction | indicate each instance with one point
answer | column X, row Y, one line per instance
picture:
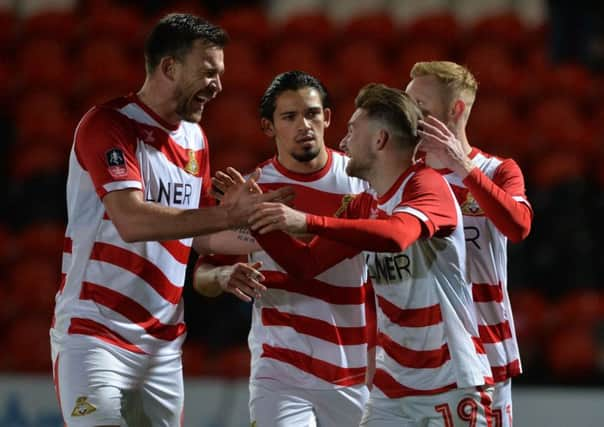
column 82, row 407
column 470, row 206
column 193, row 165
column 116, row 163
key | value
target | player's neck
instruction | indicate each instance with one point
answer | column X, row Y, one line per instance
column 161, row 104
column 309, row 167
column 387, row 172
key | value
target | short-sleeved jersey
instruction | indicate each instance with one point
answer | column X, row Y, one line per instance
column 312, row 333
column 428, row 339
column 127, row 294
column 487, row 263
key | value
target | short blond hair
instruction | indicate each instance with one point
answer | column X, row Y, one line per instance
column 458, row 80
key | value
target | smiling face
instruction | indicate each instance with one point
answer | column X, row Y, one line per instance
column 298, row 126
column 197, row 80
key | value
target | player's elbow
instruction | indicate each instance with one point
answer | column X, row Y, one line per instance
column 129, row 233
column 520, row 233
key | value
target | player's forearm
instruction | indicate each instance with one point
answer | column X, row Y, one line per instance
column 393, row 234
column 205, row 280
column 228, row 242
column 300, row 259
column 511, row 217
column 145, row 221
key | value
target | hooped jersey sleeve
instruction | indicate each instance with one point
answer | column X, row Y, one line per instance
column 503, row 199
column 428, row 197
column 105, row 146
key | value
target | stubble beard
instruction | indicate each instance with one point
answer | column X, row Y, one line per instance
column 307, row 155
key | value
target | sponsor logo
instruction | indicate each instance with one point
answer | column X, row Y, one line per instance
column 82, row 407
column 388, row 269
column 116, row 163
column 192, row 166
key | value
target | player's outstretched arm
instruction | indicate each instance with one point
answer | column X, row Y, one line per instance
column 228, row 242
column 139, row 220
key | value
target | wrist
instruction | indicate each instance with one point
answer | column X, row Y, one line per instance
column 463, row 168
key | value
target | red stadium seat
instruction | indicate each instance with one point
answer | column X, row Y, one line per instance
column 495, row 127
column 569, row 80
column 557, row 123
column 60, row 25
column 504, row 28
column 243, row 111
column 41, row 159
column 247, row 23
column 571, row 353
column 439, row 27
column 53, row 126
column 105, row 63
column 44, row 240
column 316, row 29
column 8, row 29
column 244, row 72
column 376, row 27
column 296, row 55
column 33, row 282
column 27, row 345
column 7, row 245
column 583, row 307
column 125, row 25
column 532, row 314
column 51, row 76
column 556, row 167
column 233, row 363
column 358, row 63
column 179, row 6
column 194, row 358
column 406, row 55
column 494, row 68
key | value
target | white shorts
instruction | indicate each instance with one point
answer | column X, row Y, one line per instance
column 273, row 404
column 101, row 384
column 456, row 408
column 502, row 404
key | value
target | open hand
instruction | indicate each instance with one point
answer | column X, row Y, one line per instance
column 439, row 141
column 242, row 280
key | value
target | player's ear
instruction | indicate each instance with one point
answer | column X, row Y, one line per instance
column 167, row 67
column 267, row 127
column 457, row 110
column 383, row 136
column 327, row 116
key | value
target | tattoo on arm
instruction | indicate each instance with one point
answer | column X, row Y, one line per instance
column 245, row 235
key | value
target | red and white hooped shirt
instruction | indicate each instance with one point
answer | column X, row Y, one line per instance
column 314, row 332
column 508, row 214
column 428, row 338
column 128, row 294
